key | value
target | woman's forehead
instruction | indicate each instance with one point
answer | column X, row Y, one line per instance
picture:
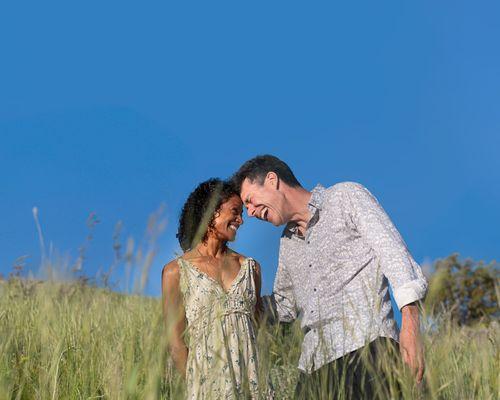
column 233, row 201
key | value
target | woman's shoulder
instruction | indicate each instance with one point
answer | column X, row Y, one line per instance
column 237, row 256
column 243, row 259
column 171, row 270
column 174, row 265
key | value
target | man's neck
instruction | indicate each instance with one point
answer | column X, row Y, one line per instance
column 298, row 201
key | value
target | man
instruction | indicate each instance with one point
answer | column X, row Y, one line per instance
column 338, row 253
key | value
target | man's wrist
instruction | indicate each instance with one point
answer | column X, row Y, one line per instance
column 410, row 317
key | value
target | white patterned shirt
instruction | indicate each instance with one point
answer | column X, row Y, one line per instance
column 335, row 278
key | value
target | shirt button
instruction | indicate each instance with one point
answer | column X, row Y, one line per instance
column 314, row 289
column 310, row 265
column 308, row 242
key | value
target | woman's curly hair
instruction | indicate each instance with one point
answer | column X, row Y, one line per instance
column 200, row 210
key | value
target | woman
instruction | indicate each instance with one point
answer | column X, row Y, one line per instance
column 216, row 293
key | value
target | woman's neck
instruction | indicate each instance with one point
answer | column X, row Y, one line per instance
column 212, row 248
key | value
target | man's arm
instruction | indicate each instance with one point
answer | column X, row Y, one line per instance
column 404, row 274
column 410, row 343
column 283, row 295
column 174, row 315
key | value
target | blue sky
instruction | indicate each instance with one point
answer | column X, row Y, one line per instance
column 116, row 107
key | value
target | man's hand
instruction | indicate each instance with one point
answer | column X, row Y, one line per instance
column 410, row 344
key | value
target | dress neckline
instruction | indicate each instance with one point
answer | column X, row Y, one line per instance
column 215, row 281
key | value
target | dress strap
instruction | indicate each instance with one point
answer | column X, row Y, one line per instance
column 250, row 263
column 184, row 280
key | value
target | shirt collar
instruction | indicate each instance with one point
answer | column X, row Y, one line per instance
column 314, row 205
column 317, row 197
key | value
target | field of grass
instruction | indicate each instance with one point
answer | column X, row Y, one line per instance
column 73, row 341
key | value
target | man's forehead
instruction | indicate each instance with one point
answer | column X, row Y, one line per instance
column 245, row 189
column 249, row 188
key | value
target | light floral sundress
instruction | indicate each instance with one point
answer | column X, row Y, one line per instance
column 222, row 359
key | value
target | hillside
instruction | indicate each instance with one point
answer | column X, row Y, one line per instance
column 70, row 341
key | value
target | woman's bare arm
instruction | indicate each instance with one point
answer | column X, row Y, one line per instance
column 174, row 315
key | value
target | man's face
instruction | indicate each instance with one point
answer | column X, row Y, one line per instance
column 264, row 201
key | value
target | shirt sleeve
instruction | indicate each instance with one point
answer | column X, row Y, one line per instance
column 283, row 294
column 404, row 274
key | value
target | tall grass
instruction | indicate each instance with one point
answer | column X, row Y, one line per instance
column 73, row 341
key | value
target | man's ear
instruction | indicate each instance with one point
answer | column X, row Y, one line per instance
column 273, row 179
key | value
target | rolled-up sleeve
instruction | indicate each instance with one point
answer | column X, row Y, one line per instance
column 404, row 274
column 283, row 294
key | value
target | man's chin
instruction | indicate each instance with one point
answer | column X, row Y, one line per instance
column 276, row 221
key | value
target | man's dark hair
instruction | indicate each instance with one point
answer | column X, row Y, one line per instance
column 200, row 209
column 257, row 168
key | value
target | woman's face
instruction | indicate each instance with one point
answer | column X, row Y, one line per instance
column 228, row 219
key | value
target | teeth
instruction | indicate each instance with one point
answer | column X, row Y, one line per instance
column 233, row 227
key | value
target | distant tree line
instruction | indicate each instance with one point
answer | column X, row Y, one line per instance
column 465, row 290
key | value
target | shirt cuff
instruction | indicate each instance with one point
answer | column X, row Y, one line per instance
column 283, row 307
column 410, row 292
